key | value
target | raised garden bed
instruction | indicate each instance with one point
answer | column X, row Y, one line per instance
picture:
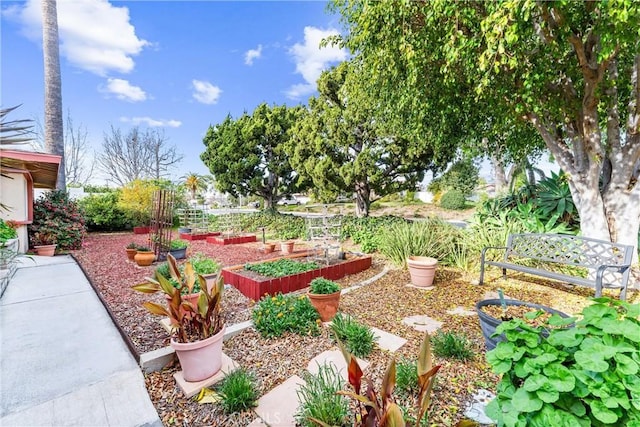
column 233, row 240
column 199, row 236
column 256, row 287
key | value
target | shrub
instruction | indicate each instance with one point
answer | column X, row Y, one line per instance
column 320, row 285
column 356, row 337
column 453, row 200
column 407, row 377
column 319, row 399
column 281, row 267
column 585, row 375
column 177, row 244
column 451, row 345
column 367, row 231
column 6, row 232
column 102, row 212
column 55, row 215
column 238, row 391
column 274, row 315
column 136, row 198
column 432, row 237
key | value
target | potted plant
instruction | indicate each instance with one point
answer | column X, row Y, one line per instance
column 324, row 295
column 44, row 243
column 287, row 247
column 492, row 312
column 178, row 248
column 267, row 248
column 144, row 256
column 197, row 330
column 132, row 249
column 422, row 270
column 206, row 267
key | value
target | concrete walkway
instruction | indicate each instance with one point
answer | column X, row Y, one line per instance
column 62, row 360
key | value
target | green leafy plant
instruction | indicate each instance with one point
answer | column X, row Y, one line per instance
column 453, row 200
column 144, row 248
column 451, row 345
column 176, row 245
column 238, row 391
column 281, row 267
column 582, row 376
column 102, row 212
column 57, row 219
column 189, row 322
column 320, row 285
column 6, row 232
column 132, row 245
column 407, row 377
column 203, row 264
column 319, row 400
column 274, row 315
column 358, row 339
column 378, row 408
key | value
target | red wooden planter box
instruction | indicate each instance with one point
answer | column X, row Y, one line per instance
column 201, row 236
column 141, row 230
column 236, row 240
column 256, row 288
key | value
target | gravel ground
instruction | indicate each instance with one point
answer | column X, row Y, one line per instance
column 383, row 304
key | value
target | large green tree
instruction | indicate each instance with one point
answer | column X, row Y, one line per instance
column 343, row 144
column 570, row 68
column 247, row 156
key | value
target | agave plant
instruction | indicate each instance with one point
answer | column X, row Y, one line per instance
column 379, row 409
column 14, row 131
column 189, row 322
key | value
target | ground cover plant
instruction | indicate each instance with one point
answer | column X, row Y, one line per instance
column 451, row 344
column 238, row 391
column 320, row 400
column 281, row 267
column 274, row 315
column 357, row 338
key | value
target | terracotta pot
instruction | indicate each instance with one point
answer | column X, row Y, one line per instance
column 201, row 359
column 287, row 247
column 422, row 270
column 131, row 253
column 45, row 250
column 267, row 248
column 144, row 259
column 325, row 304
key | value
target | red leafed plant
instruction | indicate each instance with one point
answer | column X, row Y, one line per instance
column 189, row 322
column 379, row 409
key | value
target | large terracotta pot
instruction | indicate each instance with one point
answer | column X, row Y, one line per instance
column 45, row 250
column 422, row 270
column 287, row 247
column 144, row 259
column 201, row 359
column 325, row 304
column 268, row 247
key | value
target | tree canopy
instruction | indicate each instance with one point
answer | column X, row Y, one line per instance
column 246, row 155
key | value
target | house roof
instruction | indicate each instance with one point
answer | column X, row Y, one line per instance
column 42, row 167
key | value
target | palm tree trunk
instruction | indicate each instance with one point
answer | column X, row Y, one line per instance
column 53, row 123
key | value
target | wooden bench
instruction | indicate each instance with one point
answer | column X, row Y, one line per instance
column 608, row 264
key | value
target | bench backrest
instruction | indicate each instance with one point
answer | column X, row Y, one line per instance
column 572, row 250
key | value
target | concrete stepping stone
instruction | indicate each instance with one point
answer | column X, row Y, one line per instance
column 461, row 311
column 335, row 358
column 257, row 423
column 192, row 388
column 423, row 288
column 278, row 407
column 475, row 409
column 387, row 341
column 422, row 323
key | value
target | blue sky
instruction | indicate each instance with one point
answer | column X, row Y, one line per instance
column 176, row 66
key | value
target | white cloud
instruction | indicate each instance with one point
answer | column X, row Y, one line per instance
column 151, row 122
column 252, row 54
column 205, row 92
column 94, row 35
column 311, row 60
column 122, row 89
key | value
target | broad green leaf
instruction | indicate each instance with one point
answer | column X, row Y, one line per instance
column 625, row 364
column 591, row 361
column 560, row 377
column 598, row 311
column 524, row 401
column 535, row 382
column 548, row 395
column 602, row 413
column 565, row 338
column 632, row 383
column 558, row 321
column 493, row 411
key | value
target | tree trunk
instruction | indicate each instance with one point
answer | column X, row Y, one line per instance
column 500, row 175
column 53, row 121
column 363, row 192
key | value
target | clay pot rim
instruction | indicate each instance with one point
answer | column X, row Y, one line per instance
column 421, row 260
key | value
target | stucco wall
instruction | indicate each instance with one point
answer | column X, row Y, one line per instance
column 13, row 195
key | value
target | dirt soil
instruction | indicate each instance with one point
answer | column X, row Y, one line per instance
column 381, row 304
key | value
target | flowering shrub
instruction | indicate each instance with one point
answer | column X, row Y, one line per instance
column 274, row 315
column 57, row 219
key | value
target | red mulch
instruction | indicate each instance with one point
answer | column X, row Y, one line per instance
column 104, row 259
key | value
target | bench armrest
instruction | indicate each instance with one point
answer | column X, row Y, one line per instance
column 600, row 273
column 484, row 252
column 486, row 248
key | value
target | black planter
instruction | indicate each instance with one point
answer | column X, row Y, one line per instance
column 184, row 230
column 179, row 253
column 488, row 324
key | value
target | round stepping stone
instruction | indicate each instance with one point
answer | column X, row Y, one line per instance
column 461, row 311
column 475, row 409
column 423, row 323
